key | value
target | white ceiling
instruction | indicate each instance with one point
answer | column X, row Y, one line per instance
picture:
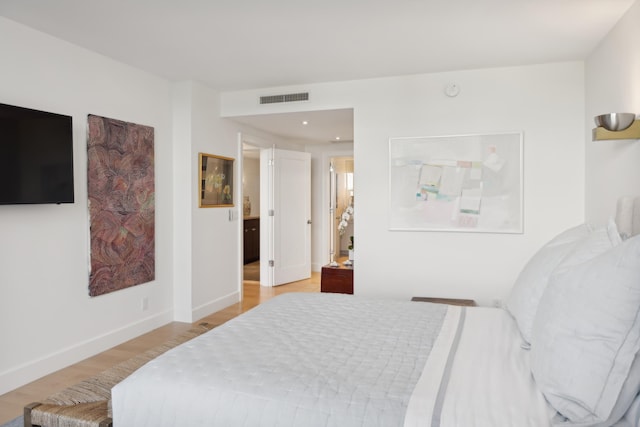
column 329, row 126
column 248, row 44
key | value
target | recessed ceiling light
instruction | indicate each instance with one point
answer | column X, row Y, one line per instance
column 337, row 138
column 304, row 122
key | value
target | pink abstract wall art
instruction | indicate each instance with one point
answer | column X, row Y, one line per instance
column 121, row 194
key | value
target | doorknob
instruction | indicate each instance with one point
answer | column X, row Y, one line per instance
column 308, row 221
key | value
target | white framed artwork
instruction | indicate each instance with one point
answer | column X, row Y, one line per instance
column 469, row 183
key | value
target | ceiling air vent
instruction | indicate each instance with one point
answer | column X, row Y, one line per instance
column 290, row 97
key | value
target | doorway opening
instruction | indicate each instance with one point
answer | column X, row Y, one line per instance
column 251, row 212
column 342, row 210
column 324, row 134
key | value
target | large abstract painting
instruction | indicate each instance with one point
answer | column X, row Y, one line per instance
column 121, row 194
column 456, row 183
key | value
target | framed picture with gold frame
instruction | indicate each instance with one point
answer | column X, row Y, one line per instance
column 215, row 181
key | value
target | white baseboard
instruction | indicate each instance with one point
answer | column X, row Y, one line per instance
column 215, row 305
column 34, row 369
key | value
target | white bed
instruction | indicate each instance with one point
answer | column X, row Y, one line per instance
column 564, row 352
column 339, row 360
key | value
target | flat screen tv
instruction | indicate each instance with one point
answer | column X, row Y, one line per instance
column 36, row 156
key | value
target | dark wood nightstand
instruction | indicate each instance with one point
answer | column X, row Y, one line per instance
column 450, row 301
column 337, row 279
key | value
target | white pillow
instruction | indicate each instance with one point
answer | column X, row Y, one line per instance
column 586, row 333
column 532, row 281
column 592, row 245
column 572, row 247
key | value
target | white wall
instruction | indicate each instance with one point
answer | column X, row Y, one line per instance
column 47, row 319
column 613, row 85
column 183, row 167
column 216, row 257
column 206, row 247
column 208, row 250
column 546, row 102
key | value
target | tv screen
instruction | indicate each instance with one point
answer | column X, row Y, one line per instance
column 36, row 156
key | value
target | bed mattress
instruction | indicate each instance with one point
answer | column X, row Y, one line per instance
column 339, row 360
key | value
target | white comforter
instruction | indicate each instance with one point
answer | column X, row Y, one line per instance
column 339, row 360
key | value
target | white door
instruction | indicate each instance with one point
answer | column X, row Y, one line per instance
column 285, row 218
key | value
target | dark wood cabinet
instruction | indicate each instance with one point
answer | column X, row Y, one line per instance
column 251, row 240
column 337, row 279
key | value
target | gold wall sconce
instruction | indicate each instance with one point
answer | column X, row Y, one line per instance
column 616, row 126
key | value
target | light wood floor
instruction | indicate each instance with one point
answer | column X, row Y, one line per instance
column 12, row 403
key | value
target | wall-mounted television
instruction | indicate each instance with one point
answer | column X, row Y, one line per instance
column 36, row 156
